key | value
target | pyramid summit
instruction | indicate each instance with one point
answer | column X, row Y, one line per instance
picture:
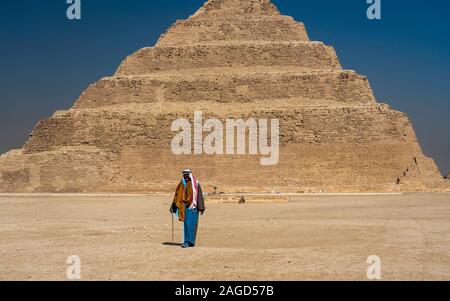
column 234, row 21
column 238, row 7
column 235, row 59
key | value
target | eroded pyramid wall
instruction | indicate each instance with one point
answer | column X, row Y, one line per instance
column 232, row 59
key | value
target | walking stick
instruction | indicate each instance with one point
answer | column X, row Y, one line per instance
column 172, row 230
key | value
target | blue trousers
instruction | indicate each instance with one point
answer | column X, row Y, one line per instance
column 190, row 226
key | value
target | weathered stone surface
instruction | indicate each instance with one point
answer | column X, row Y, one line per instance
column 67, row 169
column 303, row 88
column 203, row 31
column 306, row 55
column 232, row 59
column 114, row 129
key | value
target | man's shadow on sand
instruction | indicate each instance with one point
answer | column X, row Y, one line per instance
column 174, row 244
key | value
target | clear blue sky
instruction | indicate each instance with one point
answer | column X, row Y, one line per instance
column 47, row 61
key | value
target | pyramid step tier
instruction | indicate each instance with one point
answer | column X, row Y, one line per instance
column 306, row 55
column 205, row 31
column 334, row 167
column 304, row 88
column 146, row 126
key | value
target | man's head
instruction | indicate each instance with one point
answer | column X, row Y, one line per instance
column 187, row 174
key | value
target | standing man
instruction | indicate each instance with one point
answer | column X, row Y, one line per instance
column 188, row 202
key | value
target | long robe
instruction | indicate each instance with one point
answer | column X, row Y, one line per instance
column 190, row 226
column 188, row 213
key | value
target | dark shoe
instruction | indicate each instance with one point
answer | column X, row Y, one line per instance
column 185, row 245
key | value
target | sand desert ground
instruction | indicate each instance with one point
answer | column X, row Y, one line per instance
column 121, row 237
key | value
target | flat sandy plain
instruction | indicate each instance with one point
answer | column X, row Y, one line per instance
column 309, row 238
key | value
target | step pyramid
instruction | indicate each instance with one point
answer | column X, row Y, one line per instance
column 231, row 59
